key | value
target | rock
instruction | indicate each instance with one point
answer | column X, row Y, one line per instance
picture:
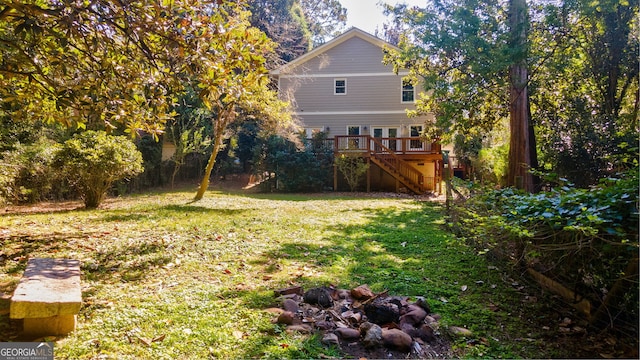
column 343, row 294
column 353, row 317
column 397, row 339
column 414, row 316
column 362, row 292
column 303, row 329
column 422, row 302
column 382, row 313
column 426, row 333
column 409, row 329
column 290, row 305
column 295, row 290
column 274, row 310
column 348, row 333
column 320, row 296
column 325, row 325
column 286, row 318
column 430, row 319
column 401, row 302
column 460, row 331
column 372, row 335
column 330, row 339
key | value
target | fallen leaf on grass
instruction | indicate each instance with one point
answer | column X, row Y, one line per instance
column 145, row 341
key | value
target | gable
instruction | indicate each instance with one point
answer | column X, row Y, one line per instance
column 355, row 51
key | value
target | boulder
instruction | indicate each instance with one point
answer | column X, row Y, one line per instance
column 320, row 296
column 372, row 335
column 397, row 339
column 348, row 333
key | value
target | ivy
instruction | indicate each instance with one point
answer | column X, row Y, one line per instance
column 584, row 238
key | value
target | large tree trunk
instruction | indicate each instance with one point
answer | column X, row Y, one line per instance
column 519, row 145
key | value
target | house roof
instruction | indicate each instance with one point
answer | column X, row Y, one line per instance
column 349, row 34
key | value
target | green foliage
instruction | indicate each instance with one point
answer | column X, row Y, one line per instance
column 460, row 50
column 26, row 174
column 297, row 168
column 585, row 238
column 353, row 167
column 326, row 18
column 491, row 164
column 93, row 161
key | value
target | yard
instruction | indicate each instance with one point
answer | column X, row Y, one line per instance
column 164, row 278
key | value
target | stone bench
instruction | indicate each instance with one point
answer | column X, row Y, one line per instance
column 48, row 297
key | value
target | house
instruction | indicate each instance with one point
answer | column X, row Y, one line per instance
column 342, row 88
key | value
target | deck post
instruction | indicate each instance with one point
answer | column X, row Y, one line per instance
column 368, row 174
column 335, row 177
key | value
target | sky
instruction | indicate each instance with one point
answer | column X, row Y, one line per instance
column 367, row 14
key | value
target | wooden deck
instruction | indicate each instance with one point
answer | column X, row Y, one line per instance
column 396, row 157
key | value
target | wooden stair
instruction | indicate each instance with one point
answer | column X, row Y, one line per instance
column 401, row 170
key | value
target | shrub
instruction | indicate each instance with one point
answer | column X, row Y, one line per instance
column 93, row 160
column 353, row 167
column 26, row 175
column 296, row 168
column 586, row 239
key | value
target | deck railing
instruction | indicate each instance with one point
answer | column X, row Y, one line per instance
column 397, row 145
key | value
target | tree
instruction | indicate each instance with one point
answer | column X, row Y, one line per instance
column 588, row 127
column 353, row 167
column 326, row 18
column 521, row 142
column 189, row 130
column 238, row 81
column 106, row 63
column 473, row 58
column 460, row 51
column 93, row 160
column 284, row 22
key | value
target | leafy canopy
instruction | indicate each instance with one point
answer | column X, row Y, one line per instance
column 105, row 63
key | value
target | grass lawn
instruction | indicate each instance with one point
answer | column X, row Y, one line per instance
column 164, row 278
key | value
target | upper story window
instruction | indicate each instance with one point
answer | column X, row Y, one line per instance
column 408, row 92
column 340, row 86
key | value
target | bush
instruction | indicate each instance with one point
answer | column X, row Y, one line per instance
column 585, row 239
column 93, row 160
column 353, row 167
column 296, row 168
column 26, row 174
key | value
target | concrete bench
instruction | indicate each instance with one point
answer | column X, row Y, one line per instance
column 48, row 297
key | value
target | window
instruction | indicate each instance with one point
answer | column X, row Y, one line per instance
column 340, row 87
column 408, row 91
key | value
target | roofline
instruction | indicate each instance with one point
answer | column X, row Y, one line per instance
column 351, row 33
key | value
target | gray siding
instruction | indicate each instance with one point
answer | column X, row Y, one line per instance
column 353, row 56
column 337, row 123
column 373, row 96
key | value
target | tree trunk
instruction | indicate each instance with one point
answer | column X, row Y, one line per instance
column 519, row 145
column 220, row 122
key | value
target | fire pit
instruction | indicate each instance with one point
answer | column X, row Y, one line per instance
column 363, row 323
